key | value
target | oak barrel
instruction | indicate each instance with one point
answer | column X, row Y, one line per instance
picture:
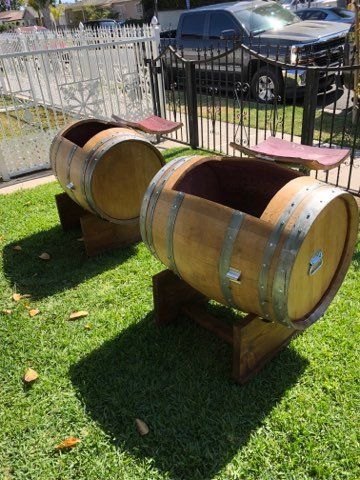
column 105, row 168
column 251, row 234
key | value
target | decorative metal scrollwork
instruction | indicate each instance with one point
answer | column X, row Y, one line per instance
column 243, row 87
column 83, row 97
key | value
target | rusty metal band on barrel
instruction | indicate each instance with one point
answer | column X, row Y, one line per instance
column 273, row 243
column 68, row 180
column 53, row 156
column 86, row 165
column 58, row 137
column 91, row 165
column 174, row 210
column 152, row 196
column 288, row 256
column 232, row 231
column 148, row 196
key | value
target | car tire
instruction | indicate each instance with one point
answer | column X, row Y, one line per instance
column 267, row 85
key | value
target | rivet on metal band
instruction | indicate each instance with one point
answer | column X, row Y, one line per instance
column 226, row 254
column 273, row 243
column 174, row 209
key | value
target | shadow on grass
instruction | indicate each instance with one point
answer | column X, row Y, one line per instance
column 68, row 266
column 176, row 379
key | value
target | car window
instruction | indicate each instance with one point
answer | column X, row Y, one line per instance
column 342, row 12
column 316, row 15
column 193, row 26
column 302, row 15
column 220, row 22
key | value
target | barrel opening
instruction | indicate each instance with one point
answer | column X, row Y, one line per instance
column 247, row 185
column 81, row 132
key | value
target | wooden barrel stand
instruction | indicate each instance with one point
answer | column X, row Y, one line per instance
column 254, row 340
column 99, row 235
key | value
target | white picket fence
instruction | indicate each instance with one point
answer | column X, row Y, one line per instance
column 16, row 42
column 42, row 89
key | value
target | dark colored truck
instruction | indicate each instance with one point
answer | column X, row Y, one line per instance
column 269, row 29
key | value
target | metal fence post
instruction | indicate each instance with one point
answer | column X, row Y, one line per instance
column 310, row 104
column 190, row 92
column 159, row 77
column 154, row 86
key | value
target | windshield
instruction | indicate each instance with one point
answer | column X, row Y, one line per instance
column 265, row 17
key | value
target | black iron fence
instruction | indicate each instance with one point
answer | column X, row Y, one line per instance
column 243, row 93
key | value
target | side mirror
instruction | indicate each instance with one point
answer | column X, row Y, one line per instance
column 227, row 34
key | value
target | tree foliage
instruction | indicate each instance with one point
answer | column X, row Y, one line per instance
column 57, row 11
column 96, row 13
column 148, row 5
column 14, row 5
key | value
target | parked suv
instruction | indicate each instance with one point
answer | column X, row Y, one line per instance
column 270, row 30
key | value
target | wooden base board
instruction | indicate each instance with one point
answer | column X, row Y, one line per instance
column 254, row 341
column 99, row 235
column 69, row 211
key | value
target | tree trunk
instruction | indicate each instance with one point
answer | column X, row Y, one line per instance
column 47, row 19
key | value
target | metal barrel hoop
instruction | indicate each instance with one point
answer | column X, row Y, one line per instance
column 273, row 242
column 231, row 234
column 53, row 156
column 288, row 256
column 147, row 197
column 86, row 165
column 174, row 210
column 69, row 185
column 90, row 156
column 145, row 204
column 153, row 194
column 57, row 138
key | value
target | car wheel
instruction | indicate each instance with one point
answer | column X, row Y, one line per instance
column 267, row 85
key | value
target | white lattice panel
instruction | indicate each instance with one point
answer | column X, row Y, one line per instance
column 26, row 153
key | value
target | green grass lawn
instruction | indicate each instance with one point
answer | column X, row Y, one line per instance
column 297, row 419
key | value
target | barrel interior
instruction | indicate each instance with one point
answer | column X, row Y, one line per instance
column 247, row 185
column 81, row 132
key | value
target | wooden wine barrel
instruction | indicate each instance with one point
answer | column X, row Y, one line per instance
column 251, row 234
column 104, row 168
